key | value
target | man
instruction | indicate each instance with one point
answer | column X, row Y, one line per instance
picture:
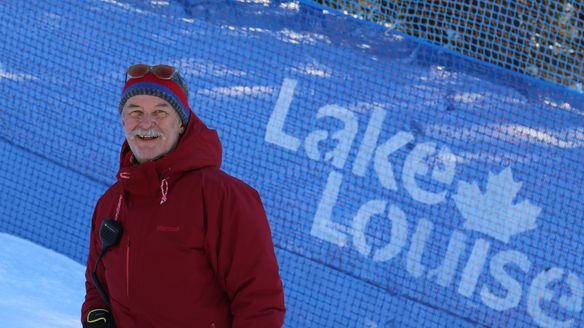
column 190, row 245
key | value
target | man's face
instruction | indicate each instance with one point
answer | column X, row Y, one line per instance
column 152, row 127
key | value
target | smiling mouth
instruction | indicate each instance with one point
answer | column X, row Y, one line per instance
column 146, row 138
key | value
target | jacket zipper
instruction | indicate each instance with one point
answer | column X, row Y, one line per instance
column 128, row 269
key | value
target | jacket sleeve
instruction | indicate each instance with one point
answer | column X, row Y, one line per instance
column 92, row 298
column 240, row 249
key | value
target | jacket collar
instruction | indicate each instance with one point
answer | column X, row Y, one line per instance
column 198, row 147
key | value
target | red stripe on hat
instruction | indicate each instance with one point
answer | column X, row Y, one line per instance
column 173, row 86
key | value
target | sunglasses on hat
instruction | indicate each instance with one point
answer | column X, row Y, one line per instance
column 163, row 72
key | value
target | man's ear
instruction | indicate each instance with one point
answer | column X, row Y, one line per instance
column 182, row 129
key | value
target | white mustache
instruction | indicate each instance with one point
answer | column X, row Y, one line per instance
column 145, row 133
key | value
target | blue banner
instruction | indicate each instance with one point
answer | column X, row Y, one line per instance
column 406, row 185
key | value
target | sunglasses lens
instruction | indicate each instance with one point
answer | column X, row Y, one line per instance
column 138, row 70
column 164, row 72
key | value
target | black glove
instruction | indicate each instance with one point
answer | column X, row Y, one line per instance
column 99, row 318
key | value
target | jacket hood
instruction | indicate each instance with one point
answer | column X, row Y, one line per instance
column 198, row 147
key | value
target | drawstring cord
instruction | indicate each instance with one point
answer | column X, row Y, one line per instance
column 163, row 190
column 125, row 176
column 119, row 207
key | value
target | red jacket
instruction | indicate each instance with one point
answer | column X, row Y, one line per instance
column 196, row 249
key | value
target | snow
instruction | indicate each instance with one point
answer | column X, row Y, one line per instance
column 38, row 287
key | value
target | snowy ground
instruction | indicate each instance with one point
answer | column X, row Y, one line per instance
column 38, row 287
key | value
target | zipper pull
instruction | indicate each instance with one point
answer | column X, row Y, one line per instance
column 163, row 190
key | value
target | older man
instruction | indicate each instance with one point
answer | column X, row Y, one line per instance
column 176, row 242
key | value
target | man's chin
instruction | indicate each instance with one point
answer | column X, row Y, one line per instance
column 146, row 153
column 147, row 157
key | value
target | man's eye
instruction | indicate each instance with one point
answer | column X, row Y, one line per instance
column 135, row 114
column 161, row 114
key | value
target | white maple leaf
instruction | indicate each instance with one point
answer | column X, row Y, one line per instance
column 493, row 212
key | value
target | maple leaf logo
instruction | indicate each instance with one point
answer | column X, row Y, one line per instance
column 493, row 212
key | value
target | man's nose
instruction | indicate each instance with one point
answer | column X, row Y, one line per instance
column 147, row 121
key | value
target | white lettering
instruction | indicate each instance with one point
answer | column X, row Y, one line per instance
column 573, row 303
column 539, row 291
column 323, row 227
column 513, row 287
column 425, row 158
column 399, row 236
column 368, row 210
column 369, row 142
column 417, row 163
column 382, row 164
column 445, row 272
column 474, row 267
column 275, row 130
column 399, row 230
column 311, row 144
column 414, row 259
column 344, row 137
